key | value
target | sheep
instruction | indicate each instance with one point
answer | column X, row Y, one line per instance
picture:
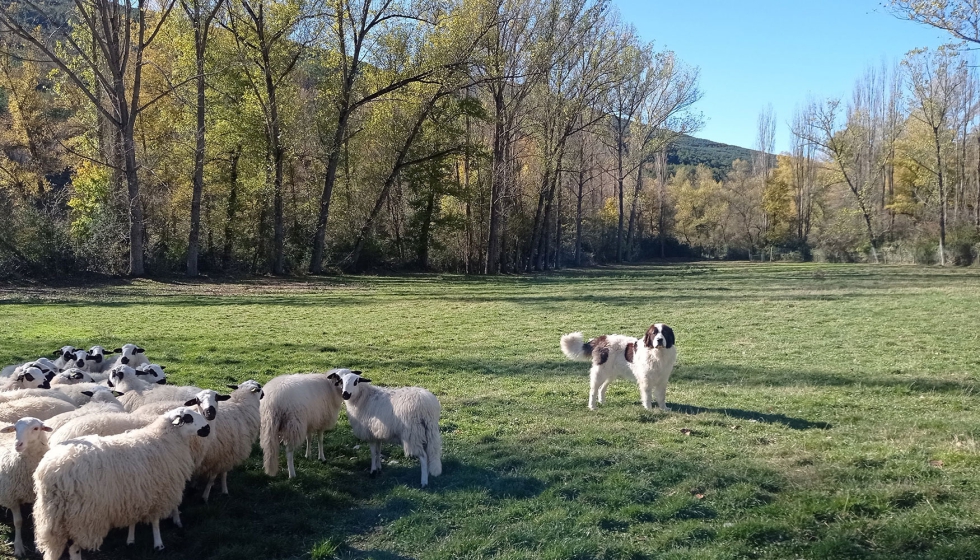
column 65, row 356
column 25, row 376
column 17, row 464
column 79, row 393
column 105, row 423
column 236, row 429
column 145, row 468
column 406, row 414
column 7, row 396
column 102, row 400
column 71, row 376
column 152, row 373
column 34, row 406
column 295, row 406
column 95, row 360
column 129, row 355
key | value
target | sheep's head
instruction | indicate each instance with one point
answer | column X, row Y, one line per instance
column 65, row 353
column 347, row 380
column 207, row 402
column 28, row 429
column 251, row 386
column 128, row 352
column 154, row 372
column 121, row 374
column 74, row 375
column 187, row 419
column 103, row 394
column 97, row 354
column 30, row 376
column 78, row 359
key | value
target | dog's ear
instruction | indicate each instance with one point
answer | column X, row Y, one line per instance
column 649, row 336
column 669, row 336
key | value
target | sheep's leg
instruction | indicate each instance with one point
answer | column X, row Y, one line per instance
column 289, row 462
column 375, row 456
column 131, row 535
column 207, row 488
column 424, row 460
column 18, row 524
column 75, row 552
column 157, row 541
column 224, row 482
column 307, row 447
column 175, row 516
column 321, row 457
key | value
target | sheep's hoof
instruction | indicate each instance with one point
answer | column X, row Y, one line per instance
column 158, row 548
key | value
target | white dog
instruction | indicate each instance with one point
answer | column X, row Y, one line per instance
column 650, row 361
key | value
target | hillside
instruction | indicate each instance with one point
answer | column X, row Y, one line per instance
column 688, row 150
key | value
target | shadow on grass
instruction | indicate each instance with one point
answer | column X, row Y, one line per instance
column 749, row 415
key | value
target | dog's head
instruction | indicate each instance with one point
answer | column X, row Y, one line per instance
column 659, row 335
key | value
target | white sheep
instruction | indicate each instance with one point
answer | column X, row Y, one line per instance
column 294, row 407
column 129, row 355
column 64, row 356
column 71, row 376
column 102, row 400
column 146, row 470
column 35, row 406
column 19, row 456
column 79, row 393
column 409, row 415
column 104, row 423
column 235, row 430
column 95, row 360
column 7, row 396
column 152, row 373
column 25, row 376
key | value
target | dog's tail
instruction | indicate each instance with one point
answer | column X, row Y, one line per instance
column 574, row 348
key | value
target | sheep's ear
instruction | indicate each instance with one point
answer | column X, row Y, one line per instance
column 50, row 375
column 104, row 351
column 261, row 394
column 232, row 387
column 163, row 367
column 117, row 351
column 7, row 429
column 46, row 428
column 45, row 385
column 222, row 397
column 356, row 371
column 117, row 393
column 143, row 372
column 363, row 380
column 193, row 402
column 162, row 382
column 88, row 393
column 56, row 353
column 333, row 376
column 139, row 350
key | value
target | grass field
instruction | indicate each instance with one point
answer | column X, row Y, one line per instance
column 818, row 411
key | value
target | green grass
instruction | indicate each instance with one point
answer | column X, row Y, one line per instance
column 832, row 411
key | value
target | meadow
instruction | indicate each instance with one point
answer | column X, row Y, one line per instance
column 818, row 411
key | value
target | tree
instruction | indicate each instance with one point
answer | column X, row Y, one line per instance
column 120, row 33
column 201, row 14
column 936, row 79
column 961, row 18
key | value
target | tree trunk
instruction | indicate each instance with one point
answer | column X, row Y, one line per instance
column 193, row 241
column 942, row 200
column 633, row 207
column 232, row 210
column 497, row 188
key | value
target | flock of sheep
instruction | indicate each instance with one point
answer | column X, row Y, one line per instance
column 84, row 422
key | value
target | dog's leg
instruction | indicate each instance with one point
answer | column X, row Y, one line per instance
column 661, row 394
column 644, row 384
column 602, row 390
column 593, row 386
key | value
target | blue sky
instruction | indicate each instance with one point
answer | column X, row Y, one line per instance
column 755, row 52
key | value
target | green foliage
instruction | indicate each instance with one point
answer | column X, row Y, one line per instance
column 691, row 151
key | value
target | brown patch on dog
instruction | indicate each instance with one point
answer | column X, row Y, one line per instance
column 630, row 351
column 600, row 349
column 652, row 332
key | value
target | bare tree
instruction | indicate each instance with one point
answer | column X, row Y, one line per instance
column 961, row 18
column 936, row 79
column 765, row 146
column 121, row 32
